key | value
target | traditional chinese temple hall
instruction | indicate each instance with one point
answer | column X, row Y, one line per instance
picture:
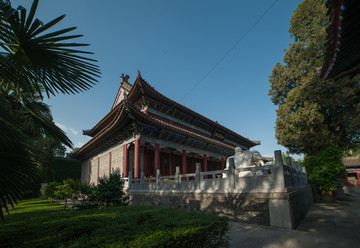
column 145, row 131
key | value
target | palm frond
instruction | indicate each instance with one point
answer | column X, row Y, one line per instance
column 33, row 63
column 11, row 129
column 10, row 132
column 44, row 57
column 47, row 26
column 18, row 168
column 31, row 14
column 40, row 122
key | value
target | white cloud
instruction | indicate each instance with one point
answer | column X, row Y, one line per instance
column 63, row 127
column 74, row 132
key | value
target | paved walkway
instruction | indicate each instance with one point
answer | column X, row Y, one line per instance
column 326, row 225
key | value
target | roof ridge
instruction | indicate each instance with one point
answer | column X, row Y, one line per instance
column 143, row 82
column 120, row 108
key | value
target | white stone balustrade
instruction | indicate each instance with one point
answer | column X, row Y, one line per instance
column 262, row 179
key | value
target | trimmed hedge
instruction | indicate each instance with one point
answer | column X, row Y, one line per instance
column 62, row 168
column 37, row 223
column 65, row 168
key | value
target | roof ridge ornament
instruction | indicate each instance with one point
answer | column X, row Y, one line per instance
column 124, row 78
column 138, row 72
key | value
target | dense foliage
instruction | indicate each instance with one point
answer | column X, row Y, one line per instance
column 325, row 168
column 47, row 150
column 108, row 192
column 49, row 190
column 125, row 226
column 63, row 168
column 33, row 63
column 58, row 170
column 67, row 189
column 311, row 112
column 355, row 151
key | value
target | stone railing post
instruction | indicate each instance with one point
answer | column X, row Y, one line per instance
column 280, row 209
column 299, row 174
column 177, row 177
column 278, row 171
column 158, row 179
column 130, row 179
column 142, row 175
column 305, row 175
column 288, row 162
column 231, row 174
column 197, row 176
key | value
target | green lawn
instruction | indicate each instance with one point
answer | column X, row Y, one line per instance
column 37, row 223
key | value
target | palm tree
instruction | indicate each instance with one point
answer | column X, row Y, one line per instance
column 33, row 63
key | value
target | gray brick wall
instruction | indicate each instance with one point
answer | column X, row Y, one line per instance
column 89, row 167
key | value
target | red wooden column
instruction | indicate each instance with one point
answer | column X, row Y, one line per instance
column 126, row 161
column 157, row 159
column 110, row 165
column 90, row 171
column 205, row 167
column 162, row 166
column 98, row 174
column 137, row 159
column 170, row 164
column 183, row 165
column 222, row 164
column 146, row 163
column 193, row 162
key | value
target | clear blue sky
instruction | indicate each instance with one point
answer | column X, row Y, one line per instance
column 174, row 44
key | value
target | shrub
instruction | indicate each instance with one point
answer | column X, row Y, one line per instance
column 109, row 192
column 67, row 190
column 325, row 168
column 49, row 190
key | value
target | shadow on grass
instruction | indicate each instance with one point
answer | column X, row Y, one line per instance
column 118, row 226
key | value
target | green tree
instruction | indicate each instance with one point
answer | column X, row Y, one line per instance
column 49, row 190
column 354, row 151
column 325, row 168
column 67, row 190
column 33, row 63
column 312, row 113
column 48, row 149
column 108, row 192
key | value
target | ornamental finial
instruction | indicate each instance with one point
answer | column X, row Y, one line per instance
column 138, row 71
column 124, row 78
